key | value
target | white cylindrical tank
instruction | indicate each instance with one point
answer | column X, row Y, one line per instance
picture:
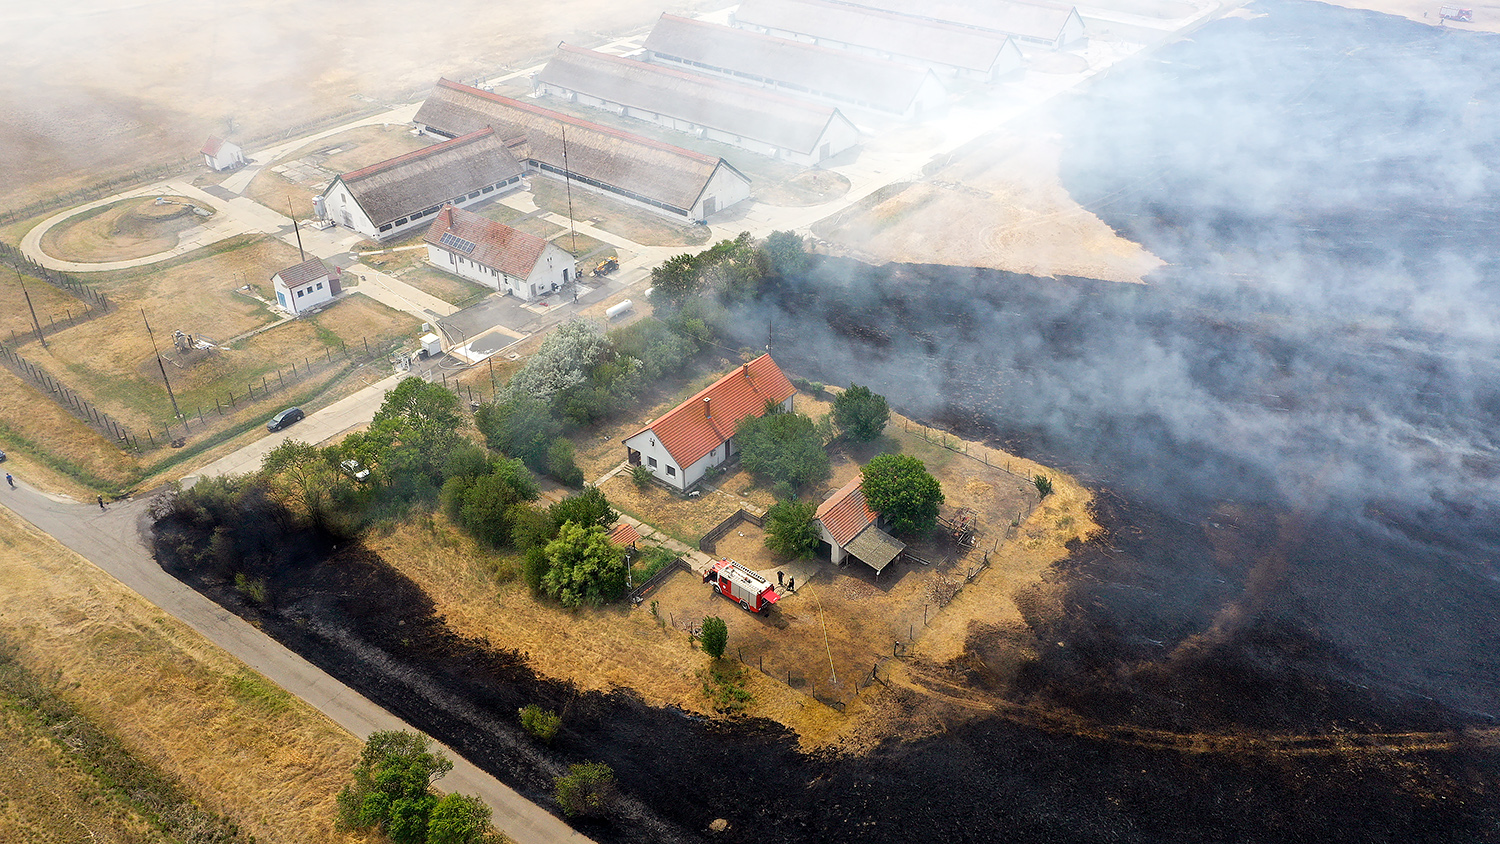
column 615, row 310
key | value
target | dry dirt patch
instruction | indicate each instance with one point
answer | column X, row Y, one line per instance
column 302, row 174
column 995, row 203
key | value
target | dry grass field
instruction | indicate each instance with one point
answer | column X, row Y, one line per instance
column 241, row 746
column 120, row 231
column 636, row 224
column 50, row 303
column 342, row 153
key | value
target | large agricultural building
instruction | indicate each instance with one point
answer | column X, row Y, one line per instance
column 748, row 117
column 795, row 67
column 495, row 255
column 1040, row 23
column 944, row 48
column 393, row 197
column 678, row 183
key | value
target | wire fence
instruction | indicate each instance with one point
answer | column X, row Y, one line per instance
column 94, row 302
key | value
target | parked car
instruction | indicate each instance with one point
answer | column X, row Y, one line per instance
column 285, row 418
column 352, row 468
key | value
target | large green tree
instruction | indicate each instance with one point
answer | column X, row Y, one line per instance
column 485, row 505
column 459, row 819
column 392, row 788
column 860, row 413
column 901, row 490
column 583, row 567
column 782, row 447
column 714, row 635
column 790, row 528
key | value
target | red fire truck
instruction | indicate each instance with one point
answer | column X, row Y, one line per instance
column 1454, row 13
column 737, row 583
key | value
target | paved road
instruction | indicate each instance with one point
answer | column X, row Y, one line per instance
column 112, row 540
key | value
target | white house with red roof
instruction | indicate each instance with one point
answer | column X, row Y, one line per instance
column 305, row 286
column 852, row 529
column 220, row 154
column 496, row 255
column 698, row 434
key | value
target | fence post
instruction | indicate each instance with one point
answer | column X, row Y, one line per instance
column 151, row 438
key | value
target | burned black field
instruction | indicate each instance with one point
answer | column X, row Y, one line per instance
column 1288, row 629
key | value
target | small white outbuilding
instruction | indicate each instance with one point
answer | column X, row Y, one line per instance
column 220, row 154
column 305, row 286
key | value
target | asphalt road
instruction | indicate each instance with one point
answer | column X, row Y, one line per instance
column 114, row 541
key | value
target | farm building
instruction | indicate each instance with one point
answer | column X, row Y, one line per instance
column 305, row 286
column 698, row 434
column 1040, row 23
column 945, row 49
column 675, row 182
column 220, row 154
column 747, row 117
column 496, row 255
column 852, row 529
column 398, row 195
column 795, row 67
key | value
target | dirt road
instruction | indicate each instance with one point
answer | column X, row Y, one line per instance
column 112, row 540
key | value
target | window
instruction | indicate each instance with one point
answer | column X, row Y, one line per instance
column 671, row 471
column 320, row 285
column 386, row 227
column 651, row 461
column 489, row 189
column 400, row 222
column 299, row 293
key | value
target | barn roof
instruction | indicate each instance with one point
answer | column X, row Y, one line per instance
column 691, row 429
column 743, row 110
column 298, row 274
column 656, row 171
column 485, row 241
column 1039, row 20
column 212, row 146
column 400, row 186
column 838, row 74
column 928, row 41
column 845, row 513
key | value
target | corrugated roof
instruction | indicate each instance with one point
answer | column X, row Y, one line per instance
column 401, row 186
column 846, row 512
column 836, row 74
column 875, row 548
column 927, row 41
column 1042, row 21
column 644, row 167
column 299, row 274
column 744, row 110
column 495, row 244
column 687, row 433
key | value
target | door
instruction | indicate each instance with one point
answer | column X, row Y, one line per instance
column 710, row 205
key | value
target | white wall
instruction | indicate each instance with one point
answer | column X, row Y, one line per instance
column 299, row 299
column 725, row 188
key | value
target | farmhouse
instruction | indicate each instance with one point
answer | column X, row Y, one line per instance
column 852, row 529
column 398, row 195
column 304, row 286
column 795, row 67
column 747, row 117
column 944, row 48
column 496, row 255
column 1041, row 23
column 220, row 154
column 675, row 182
column 698, row 434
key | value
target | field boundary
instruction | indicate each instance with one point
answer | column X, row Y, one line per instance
column 710, row 542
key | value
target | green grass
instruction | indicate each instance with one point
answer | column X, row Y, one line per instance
column 253, row 690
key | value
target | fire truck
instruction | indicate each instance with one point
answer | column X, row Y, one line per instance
column 1454, row 13
column 737, row 583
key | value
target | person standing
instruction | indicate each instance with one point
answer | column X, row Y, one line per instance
column 101, row 502
column 10, row 480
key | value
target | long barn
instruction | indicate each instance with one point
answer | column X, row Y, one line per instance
column 795, row 67
column 1041, row 23
column 748, row 117
column 673, row 181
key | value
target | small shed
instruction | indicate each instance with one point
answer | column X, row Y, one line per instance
column 220, row 154
column 851, row 529
column 305, row 286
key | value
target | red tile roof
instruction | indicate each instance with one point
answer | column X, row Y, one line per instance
column 687, row 433
column 846, row 512
column 212, row 146
column 310, row 270
column 496, row 245
column 624, row 535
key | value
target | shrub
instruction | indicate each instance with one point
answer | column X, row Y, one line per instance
column 715, row 636
column 541, row 723
column 1043, row 485
column 790, row 529
column 641, row 476
column 560, row 464
column 586, row 790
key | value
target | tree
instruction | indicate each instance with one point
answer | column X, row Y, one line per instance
column 790, row 529
column 520, row 426
column 392, row 786
column 421, row 417
column 674, row 280
column 564, row 360
column 785, row 254
column 783, row 447
column 583, row 567
column 715, row 636
column 587, row 789
column 588, row 508
column 459, row 819
column 301, row 477
column 542, row 723
column 899, row 488
column 484, row 505
column 860, row 413
column 560, row 464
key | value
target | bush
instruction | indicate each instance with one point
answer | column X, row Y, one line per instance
column 790, row 529
column 715, row 636
column 860, row 413
column 641, row 476
column 586, row 790
column 583, row 567
column 560, row 464
column 1043, row 485
column 541, row 723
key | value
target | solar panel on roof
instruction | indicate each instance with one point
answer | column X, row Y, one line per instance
column 453, row 240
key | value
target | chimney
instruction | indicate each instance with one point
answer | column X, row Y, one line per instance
column 745, row 370
column 707, row 413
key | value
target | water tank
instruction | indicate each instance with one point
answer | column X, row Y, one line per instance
column 615, row 310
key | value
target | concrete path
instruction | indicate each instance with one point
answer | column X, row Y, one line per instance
column 397, row 294
column 113, row 541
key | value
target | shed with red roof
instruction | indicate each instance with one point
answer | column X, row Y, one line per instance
column 852, row 529
column 496, row 255
column 220, row 154
column 698, row 434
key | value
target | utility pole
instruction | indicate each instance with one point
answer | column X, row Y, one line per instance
column 34, row 321
column 298, row 229
column 568, row 181
column 768, row 335
column 160, row 365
